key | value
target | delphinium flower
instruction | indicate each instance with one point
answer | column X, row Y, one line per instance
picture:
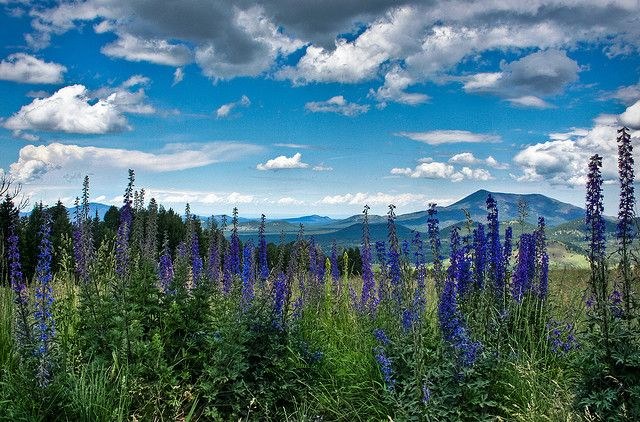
column 405, row 249
column 479, row 255
column 196, row 260
column 525, row 267
column 248, row 276
column 426, row 394
column 393, row 257
column 151, row 235
column 44, row 323
column 463, row 275
column 594, row 220
column 124, row 230
column 279, row 298
column 262, row 251
column 433, row 231
column 82, row 237
column 368, row 281
column 16, row 278
column 234, row 246
column 542, row 259
column 165, row 268
column 494, row 249
column 384, row 363
column 625, row 232
column 561, row 337
column 213, row 258
column 451, row 323
column 507, row 249
column 615, row 300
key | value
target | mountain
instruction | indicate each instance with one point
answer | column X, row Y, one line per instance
column 309, row 220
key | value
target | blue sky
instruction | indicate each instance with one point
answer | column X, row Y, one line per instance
column 296, row 107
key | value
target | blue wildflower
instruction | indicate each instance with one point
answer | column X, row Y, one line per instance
column 433, row 232
column 479, row 256
column 279, row 298
column 381, row 336
column 165, row 268
column 368, row 281
column 248, row 276
column 262, row 251
column 384, row 363
column 234, row 247
column 494, row 251
column 45, row 326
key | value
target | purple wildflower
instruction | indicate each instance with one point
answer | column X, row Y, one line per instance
column 234, row 252
column 381, row 336
column 525, row 267
column 480, row 255
column 19, row 288
column 626, row 211
column 542, row 259
column 508, row 247
column 495, row 252
column 248, row 276
column 313, row 259
column 384, row 363
column 165, row 268
column 45, row 326
column 433, row 231
column 124, row 231
column 213, row 259
column 594, row 213
column 279, row 298
column 262, row 251
column 426, row 394
column 419, row 300
column 335, row 270
column 393, row 256
column 196, row 260
column 368, row 281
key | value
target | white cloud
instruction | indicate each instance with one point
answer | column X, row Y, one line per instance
column 192, row 197
column 379, row 199
column 337, row 105
column 156, row 51
column 287, row 200
column 226, row 109
column 631, row 116
column 26, row 136
column 429, row 169
column 394, row 88
column 469, row 159
column 294, row 146
column 626, row 94
column 70, row 110
column 439, row 137
column 23, row 68
column 283, row 162
column 36, row 161
column 530, row 101
column 322, row 167
column 563, row 159
column 178, row 76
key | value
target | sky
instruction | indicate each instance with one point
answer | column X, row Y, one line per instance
column 298, row 107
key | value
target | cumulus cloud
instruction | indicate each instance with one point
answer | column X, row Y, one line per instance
column 523, row 81
column 156, row 51
column 439, row 137
column 36, row 161
column 283, row 162
column 563, row 159
column 287, row 200
column 428, row 38
column 337, row 105
column 396, row 81
column 429, row 169
column 74, row 109
column 469, row 159
column 226, row 109
column 23, row 68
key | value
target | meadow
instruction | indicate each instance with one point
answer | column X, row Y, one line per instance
column 155, row 317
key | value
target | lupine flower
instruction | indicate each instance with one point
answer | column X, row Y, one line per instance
column 16, row 278
column 45, row 326
column 495, row 252
column 279, row 298
column 384, row 363
column 368, row 281
column 479, row 256
column 433, row 231
column 408, row 318
column 463, row 274
column 165, row 268
column 248, row 276
column 234, row 247
column 525, row 268
column 262, row 251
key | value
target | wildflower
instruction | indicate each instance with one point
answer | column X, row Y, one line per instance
column 525, row 268
column 384, row 363
column 262, row 251
column 313, row 259
column 16, row 278
column 45, row 326
column 542, row 259
column 419, row 300
column 433, row 231
column 508, row 246
column 494, row 252
column 480, row 255
column 408, row 318
column 626, row 212
column 335, row 271
column 368, row 281
column 213, row 259
column 594, row 213
column 248, row 276
column 279, row 298
column 196, row 259
column 426, row 394
column 165, row 268
column 381, row 336
column 124, row 230
column 393, row 256
column 234, row 252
